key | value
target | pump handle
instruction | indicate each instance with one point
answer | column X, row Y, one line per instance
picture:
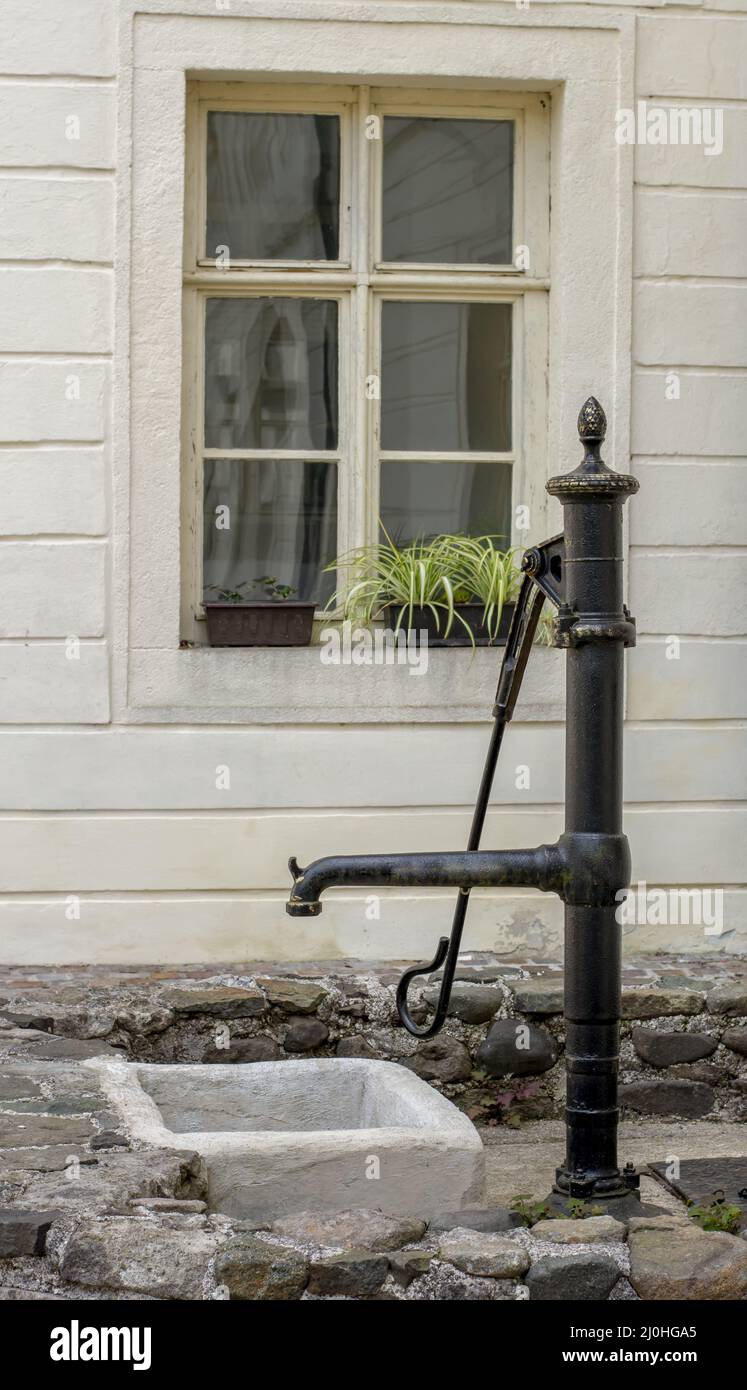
column 518, row 646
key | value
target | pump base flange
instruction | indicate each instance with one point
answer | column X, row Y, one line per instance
column 622, row 1207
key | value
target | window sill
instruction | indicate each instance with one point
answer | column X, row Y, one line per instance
column 291, row 685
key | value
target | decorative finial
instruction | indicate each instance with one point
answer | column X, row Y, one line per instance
column 592, row 475
column 592, row 422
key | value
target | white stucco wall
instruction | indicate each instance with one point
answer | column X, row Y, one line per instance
column 115, row 843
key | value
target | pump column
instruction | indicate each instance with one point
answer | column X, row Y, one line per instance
column 595, row 627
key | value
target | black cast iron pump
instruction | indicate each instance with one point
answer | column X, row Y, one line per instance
column 580, row 572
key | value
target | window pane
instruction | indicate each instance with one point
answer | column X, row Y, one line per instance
column 283, row 523
column 446, row 377
column 271, row 374
column 273, row 186
column 448, row 190
column 425, row 499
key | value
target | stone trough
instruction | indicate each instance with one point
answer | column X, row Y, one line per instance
column 283, row 1137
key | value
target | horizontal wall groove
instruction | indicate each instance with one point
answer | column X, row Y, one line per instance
column 66, row 263
column 279, row 896
column 719, row 370
column 694, row 190
column 50, row 642
column 699, row 190
column 67, row 173
column 676, row 459
column 726, row 282
column 687, row 461
column 518, row 726
column 689, row 369
column 711, row 549
column 684, row 725
column 320, row 813
column 33, row 79
column 52, row 443
column 283, row 812
column 700, row 103
column 55, row 538
column 8, row 355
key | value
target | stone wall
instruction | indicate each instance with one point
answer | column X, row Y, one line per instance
column 499, row 1057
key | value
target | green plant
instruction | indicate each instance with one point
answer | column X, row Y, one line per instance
column 576, row 1209
column 272, row 589
column 226, row 595
column 267, row 583
column 717, row 1215
column 528, row 1209
column 436, row 574
column 419, row 574
column 486, row 574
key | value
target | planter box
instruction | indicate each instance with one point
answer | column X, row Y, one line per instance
column 424, row 619
column 283, row 1137
column 262, row 623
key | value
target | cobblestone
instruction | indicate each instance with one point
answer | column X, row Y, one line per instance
column 54, row 1123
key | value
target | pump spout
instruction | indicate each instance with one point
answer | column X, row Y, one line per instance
column 466, row 869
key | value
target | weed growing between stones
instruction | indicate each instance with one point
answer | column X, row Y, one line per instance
column 716, row 1215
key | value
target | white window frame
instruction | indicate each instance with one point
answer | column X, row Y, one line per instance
column 587, row 64
column 360, row 282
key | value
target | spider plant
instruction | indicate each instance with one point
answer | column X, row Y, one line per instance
column 437, row 574
column 487, row 574
column 417, row 575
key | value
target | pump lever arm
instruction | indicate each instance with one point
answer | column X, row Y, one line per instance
column 518, row 646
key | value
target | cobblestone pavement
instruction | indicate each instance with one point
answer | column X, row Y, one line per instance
column 86, row 1213
column 86, row 1210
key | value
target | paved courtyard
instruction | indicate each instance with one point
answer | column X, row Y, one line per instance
column 87, row 1210
column 525, row 1160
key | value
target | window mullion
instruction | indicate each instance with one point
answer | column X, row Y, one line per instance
column 360, row 521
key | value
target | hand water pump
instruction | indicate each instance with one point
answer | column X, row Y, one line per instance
column 580, row 572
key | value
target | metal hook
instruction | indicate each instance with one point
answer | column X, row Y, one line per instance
column 443, row 998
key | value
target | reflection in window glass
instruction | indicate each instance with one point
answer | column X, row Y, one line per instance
column 425, row 499
column 283, row 523
column 273, row 186
column 271, row 374
column 447, row 190
column 446, row 376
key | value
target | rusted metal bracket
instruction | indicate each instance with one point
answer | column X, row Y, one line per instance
column 571, row 629
column 544, row 565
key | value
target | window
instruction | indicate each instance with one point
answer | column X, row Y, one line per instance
column 358, row 268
